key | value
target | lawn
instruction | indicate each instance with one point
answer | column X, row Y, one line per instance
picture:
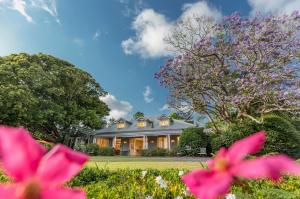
column 161, row 163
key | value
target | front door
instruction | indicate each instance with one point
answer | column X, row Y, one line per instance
column 136, row 146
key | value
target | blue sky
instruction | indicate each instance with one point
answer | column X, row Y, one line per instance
column 120, row 42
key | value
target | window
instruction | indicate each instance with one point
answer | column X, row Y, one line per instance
column 121, row 125
column 164, row 123
column 141, row 124
column 103, row 142
column 162, row 142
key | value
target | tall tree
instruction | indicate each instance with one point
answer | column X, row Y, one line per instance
column 235, row 68
column 48, row 95
column 176, row 116
column 138, row 115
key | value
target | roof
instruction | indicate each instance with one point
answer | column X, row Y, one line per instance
column 152, row 125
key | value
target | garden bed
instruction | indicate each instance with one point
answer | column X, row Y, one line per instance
column 99, row 183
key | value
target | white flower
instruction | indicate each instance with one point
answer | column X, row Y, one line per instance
column 148, row 197
column 186, row 192
column 144, row 173
column 178, row 197
column 230, row 196
column 161, row 182
column 180, row 173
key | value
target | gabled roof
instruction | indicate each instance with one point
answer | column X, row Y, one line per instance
column 153, row 125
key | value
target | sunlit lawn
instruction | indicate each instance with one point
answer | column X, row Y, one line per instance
column 126, row 162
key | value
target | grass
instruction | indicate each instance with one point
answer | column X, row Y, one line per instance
column 160, row 163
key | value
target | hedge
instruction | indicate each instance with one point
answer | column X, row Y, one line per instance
column 282, row 136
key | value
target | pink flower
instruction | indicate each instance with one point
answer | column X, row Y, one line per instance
column 231, row 163
column 35, row 173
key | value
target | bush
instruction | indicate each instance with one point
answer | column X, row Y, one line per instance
column 174, row 151
column 194, row 138
column 106, row 151
column 125, row 183
column 101, row 183
column 80, row 147
column 282, row 136
column 93, row 149
column 155, row 152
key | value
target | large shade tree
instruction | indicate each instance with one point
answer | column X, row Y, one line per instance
column 51, row 97
column 236, row 67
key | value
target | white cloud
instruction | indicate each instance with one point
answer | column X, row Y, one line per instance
column 22, row 6
column 148, row 94
column 19, row 5
column 48, row 6
column 165, row 107
column 151, row 28
column 199, row 9
column 118, row 109
column 132, row 7
column 96, row 35
column 274, row 6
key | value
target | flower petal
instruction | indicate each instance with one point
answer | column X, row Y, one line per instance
column 60, row 165
column 221, row 154
column 20, row 153
column 63, row 193
column 207, row 184
column 249, row 145
column 267, row 167
column 7, row 192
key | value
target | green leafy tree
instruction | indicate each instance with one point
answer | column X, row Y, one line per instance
column 176, row 116
column 194, row 138
column 49, row 96
column 138, row 115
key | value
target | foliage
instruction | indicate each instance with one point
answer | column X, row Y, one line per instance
column 282, row 136
column 93, row 149
column 138, row 115
column 155, row 152
column 106, row 151
column 104, row 183
column 234, row 68
column 80, row 147
column 49, row 96
column 288, row 188
column 194, row 138
column 176, row 116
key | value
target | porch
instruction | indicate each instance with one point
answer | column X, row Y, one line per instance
column 134, row 145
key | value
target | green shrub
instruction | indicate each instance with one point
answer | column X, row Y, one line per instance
column 106, row 151
column 282, row 136
column 155, row 152
column 80, row 147
column 174, row 151
column 93, row 149
column 88, row 176
column 194, row 138
column 125, row 183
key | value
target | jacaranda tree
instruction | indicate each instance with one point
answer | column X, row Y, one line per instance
column 235, row 67
column 49, row 96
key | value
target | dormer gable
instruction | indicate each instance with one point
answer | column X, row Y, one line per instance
column 164, row 121
column 122, row 123
column 143, row 122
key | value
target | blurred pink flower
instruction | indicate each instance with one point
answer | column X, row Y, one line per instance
column 231, row 163
column 35, row 173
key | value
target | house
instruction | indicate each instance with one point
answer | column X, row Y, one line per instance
column 130, row 137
